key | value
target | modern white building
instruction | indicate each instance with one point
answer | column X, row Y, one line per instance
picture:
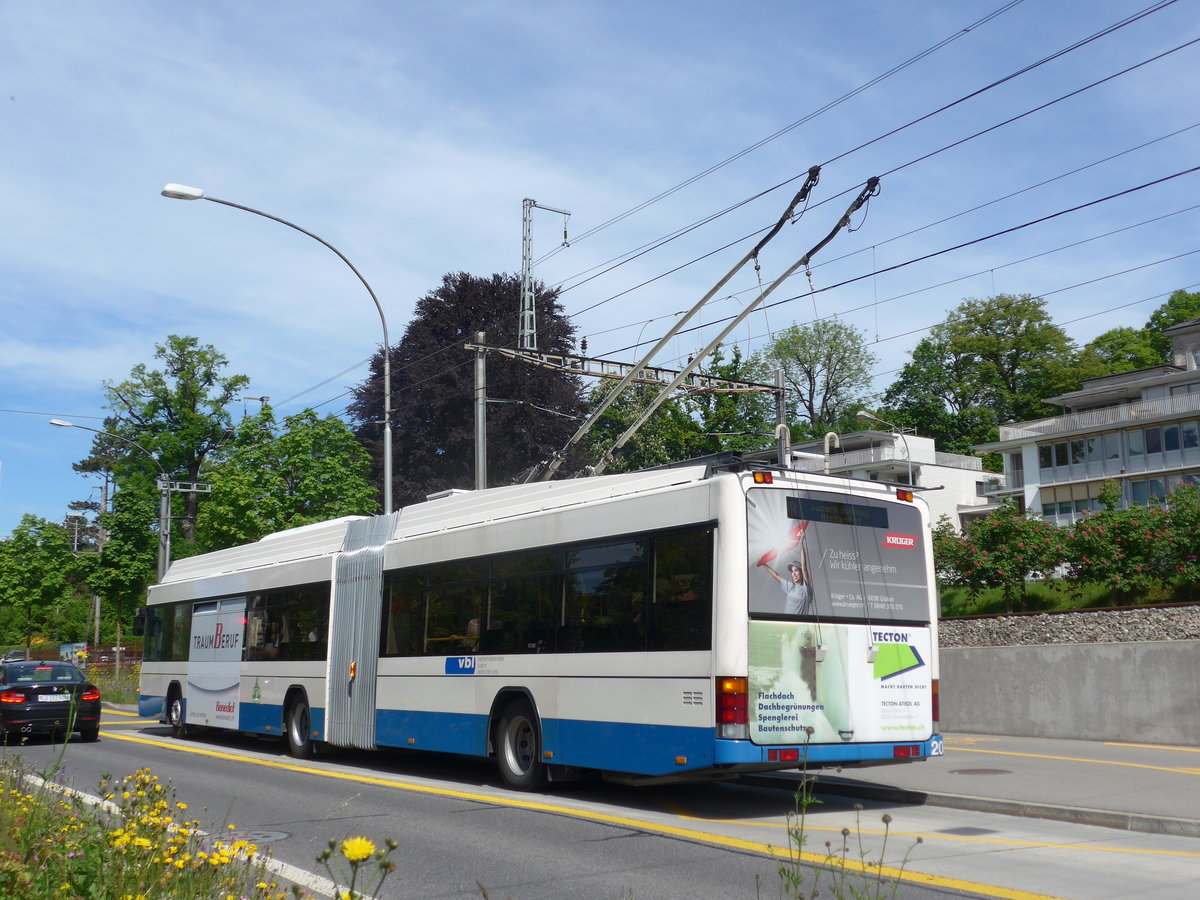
column 955, row 485
column 1141, row 428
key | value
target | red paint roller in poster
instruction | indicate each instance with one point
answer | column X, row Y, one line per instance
column 796, row 536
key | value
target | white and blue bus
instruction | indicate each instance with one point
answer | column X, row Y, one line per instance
column 679, row 623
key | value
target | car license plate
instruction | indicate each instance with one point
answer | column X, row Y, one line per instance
column 54, row 698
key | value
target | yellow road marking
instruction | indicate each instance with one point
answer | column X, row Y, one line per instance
column 123, row 713
column 1098, row 762
column 733, row 843
column 1153, row 747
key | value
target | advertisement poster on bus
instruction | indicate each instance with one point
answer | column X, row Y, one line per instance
column 215, row 662
column 846, row 683
column 821, row 555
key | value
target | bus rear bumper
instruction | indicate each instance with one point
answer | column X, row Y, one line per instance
column 745, row 754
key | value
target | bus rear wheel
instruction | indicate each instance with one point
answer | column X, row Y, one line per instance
column 175, row 714
column 299, row 729
column 519, row 748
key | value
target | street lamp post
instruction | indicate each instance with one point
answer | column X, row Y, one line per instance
column 871, row 417
column 164, row 494
column 183, row 192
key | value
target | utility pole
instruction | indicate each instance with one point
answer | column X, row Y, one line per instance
column 480, row 412
column 527, row 333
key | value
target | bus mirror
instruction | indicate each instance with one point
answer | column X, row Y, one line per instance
column 139, row 622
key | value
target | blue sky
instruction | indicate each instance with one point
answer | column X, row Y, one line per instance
column 408, row 133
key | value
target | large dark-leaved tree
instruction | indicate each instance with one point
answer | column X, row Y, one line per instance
column 532, row 410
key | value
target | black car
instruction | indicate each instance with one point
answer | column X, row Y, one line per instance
column 47, row 698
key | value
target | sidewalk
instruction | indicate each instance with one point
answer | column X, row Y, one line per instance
column 1136, row 787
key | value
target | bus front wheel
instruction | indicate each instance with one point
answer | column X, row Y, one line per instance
column 519, row 748
column 175, row 714
column 299, row 729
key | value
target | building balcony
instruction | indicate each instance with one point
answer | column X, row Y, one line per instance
column 1142, row 412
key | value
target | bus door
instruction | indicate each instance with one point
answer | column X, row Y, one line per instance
column 215, row 662
column 354, row 627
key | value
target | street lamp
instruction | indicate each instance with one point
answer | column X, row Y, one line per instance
column 183, row 192
column 164, row 490
column 871, row 417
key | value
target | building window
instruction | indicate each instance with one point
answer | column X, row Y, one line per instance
column 1153, row 439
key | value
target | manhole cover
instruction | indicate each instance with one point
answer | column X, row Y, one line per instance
column 255, row 836
column 980, row 772
column 967, row 831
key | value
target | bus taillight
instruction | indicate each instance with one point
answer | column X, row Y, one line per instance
column 764, row 478
column 936, row 703
column 733, row 702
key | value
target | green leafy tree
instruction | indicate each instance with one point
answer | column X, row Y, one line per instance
column 1121, row 349
column 935, row 394
column 177, row 415
column 990, row 361
column 39, row 582
column 531, row 412
column 128, row 561
column 827, row 369
column 313, row 470
column 1181, row 306
column 733, row 420
column 670, row 435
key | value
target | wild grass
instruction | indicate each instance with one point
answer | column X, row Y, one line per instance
column 136, row 842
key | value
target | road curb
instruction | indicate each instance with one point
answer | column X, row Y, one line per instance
column 1123, row 821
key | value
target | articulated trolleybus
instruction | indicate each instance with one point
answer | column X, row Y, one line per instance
column 681, row 623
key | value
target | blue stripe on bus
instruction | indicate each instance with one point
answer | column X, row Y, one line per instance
column 621, row 746
column 151, row 706
column 618, row 746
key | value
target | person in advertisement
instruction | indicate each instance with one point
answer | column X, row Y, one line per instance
column 797, row 584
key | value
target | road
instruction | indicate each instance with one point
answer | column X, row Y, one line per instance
column 456, row 827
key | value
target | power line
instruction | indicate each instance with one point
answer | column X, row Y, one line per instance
column 912, row 60
column 962, row 245
column 1024, row 70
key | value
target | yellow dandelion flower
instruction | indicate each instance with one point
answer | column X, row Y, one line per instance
column 356, row 849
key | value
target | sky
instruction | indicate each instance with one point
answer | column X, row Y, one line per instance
column 407, row 135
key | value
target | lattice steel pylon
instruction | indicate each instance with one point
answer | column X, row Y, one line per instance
column 527, row 332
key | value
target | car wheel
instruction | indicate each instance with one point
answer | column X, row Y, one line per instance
column 90, row 735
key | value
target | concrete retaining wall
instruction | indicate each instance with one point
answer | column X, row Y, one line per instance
column 1148, row 692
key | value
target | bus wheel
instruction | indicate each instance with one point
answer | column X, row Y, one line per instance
column 299, row 729
column 175, row 714
column 518, row 748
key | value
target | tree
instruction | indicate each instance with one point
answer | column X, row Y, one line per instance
column 934, row 394
column 531, row 411
column 177, row 415
column 733, row 420
column 128, row 561
column 827, row 369
column 39, row 577
column 670, row 435
column 1121, row 349
column 990, row 361
column 1181, row 306
column 313, row 470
